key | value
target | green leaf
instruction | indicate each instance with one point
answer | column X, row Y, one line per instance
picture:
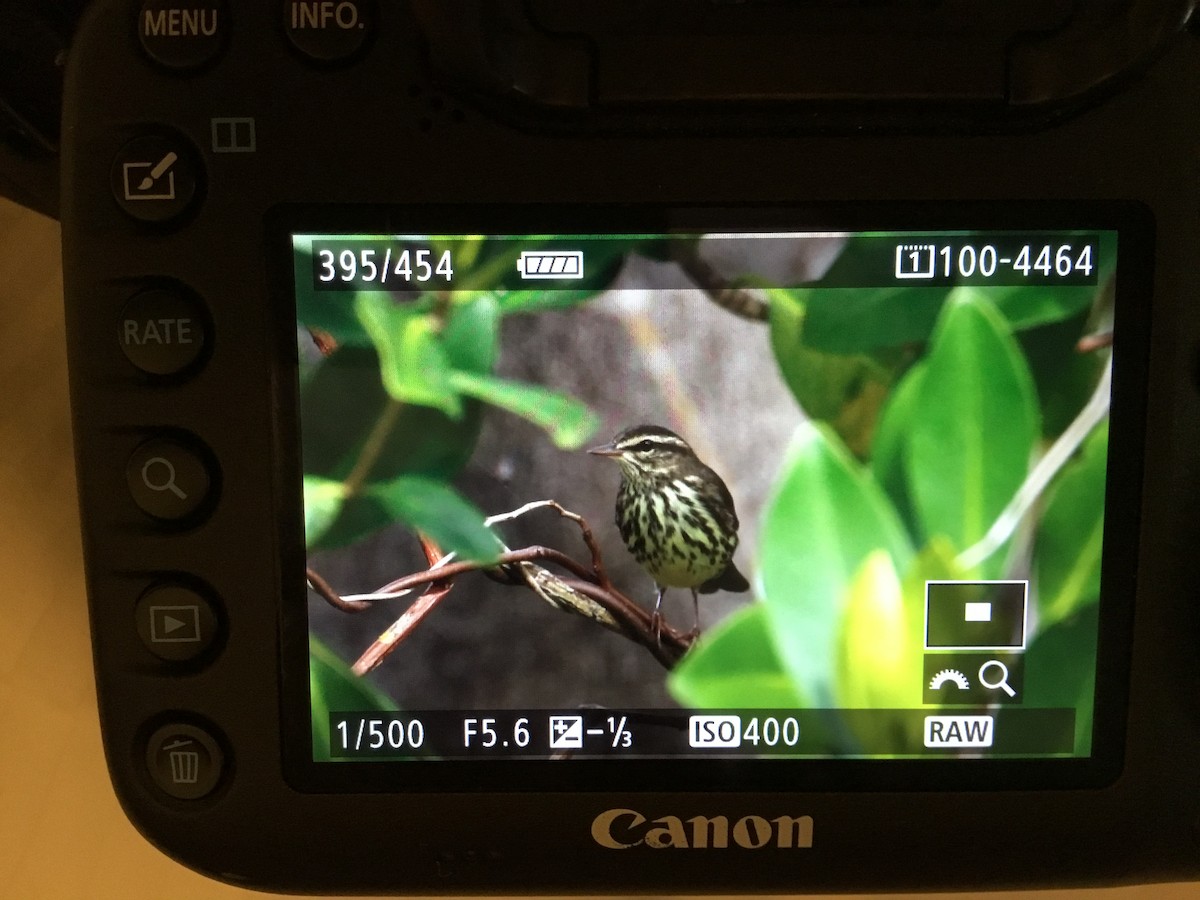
column 854, row 320
column 568, row 422
column 439, row 511
column 735, row 666
column 1065, row 378
column 889, row 447
column 845, row 390
column 1028, row 306
column 1060, row 671
column 860, row 320
column 882, row 637
column 471, row 338
column 878, row 667
column 1071, row 534
column 974, row 421
column 511, row 302
column 347, row 416
column 334, row 688
column 824, row 517
column 344, row 405
column 323, row 501
column 413, row 363
column 880, row 655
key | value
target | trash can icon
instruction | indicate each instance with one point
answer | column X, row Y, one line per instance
column 185, row 764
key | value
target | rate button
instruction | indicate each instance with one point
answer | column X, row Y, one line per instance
column 162, row 332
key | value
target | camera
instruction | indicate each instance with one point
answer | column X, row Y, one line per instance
column 877, row 321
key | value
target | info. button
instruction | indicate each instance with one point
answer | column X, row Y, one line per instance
column 329, row 31
column 162, row 332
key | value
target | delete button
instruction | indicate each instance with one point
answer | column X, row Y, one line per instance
column 163, row 332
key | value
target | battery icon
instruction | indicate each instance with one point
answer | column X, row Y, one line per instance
column 550, row 265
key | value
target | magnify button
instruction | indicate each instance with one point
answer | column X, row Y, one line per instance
column 168, row 479
column 999, row 679
column 158, row 474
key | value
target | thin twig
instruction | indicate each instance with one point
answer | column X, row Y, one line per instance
column 585, row 530
column 400, row 629
column 1090, row 343
column 330, row 596
column 372, row 447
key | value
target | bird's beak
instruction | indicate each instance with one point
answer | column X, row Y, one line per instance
column 606, row 450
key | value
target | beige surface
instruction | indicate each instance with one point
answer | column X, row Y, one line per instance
column 62, row 834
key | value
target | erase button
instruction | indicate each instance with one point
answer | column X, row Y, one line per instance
column 184, row 761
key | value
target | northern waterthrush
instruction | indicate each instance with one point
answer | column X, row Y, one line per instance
column 675, row 515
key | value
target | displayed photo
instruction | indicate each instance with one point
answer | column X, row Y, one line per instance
column 701, row 494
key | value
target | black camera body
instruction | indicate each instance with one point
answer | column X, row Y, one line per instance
column 282, row 221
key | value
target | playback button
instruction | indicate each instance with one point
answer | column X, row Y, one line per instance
column 176, row 623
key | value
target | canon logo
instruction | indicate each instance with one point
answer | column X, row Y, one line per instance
column 618, row 829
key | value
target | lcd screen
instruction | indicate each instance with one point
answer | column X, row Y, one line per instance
column 704, row 494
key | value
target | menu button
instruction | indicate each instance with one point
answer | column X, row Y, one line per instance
column 182, row 34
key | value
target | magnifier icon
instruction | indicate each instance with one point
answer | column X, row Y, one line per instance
column 1001, row 682
column 167, row 468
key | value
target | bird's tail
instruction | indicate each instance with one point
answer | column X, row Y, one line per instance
column 729, row 580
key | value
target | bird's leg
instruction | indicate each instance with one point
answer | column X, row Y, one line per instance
column 695, row 632
column 656, row 619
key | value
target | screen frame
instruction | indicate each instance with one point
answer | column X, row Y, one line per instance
column 1134, row 225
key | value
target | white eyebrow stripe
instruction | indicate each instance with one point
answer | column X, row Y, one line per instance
column 660, row 440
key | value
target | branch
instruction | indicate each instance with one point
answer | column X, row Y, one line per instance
column 741, row 301
column 422, row 606
column 590, row 593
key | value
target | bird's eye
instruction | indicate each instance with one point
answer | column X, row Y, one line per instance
column 646, row 445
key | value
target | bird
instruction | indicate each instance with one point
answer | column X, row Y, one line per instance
column 675, row 515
